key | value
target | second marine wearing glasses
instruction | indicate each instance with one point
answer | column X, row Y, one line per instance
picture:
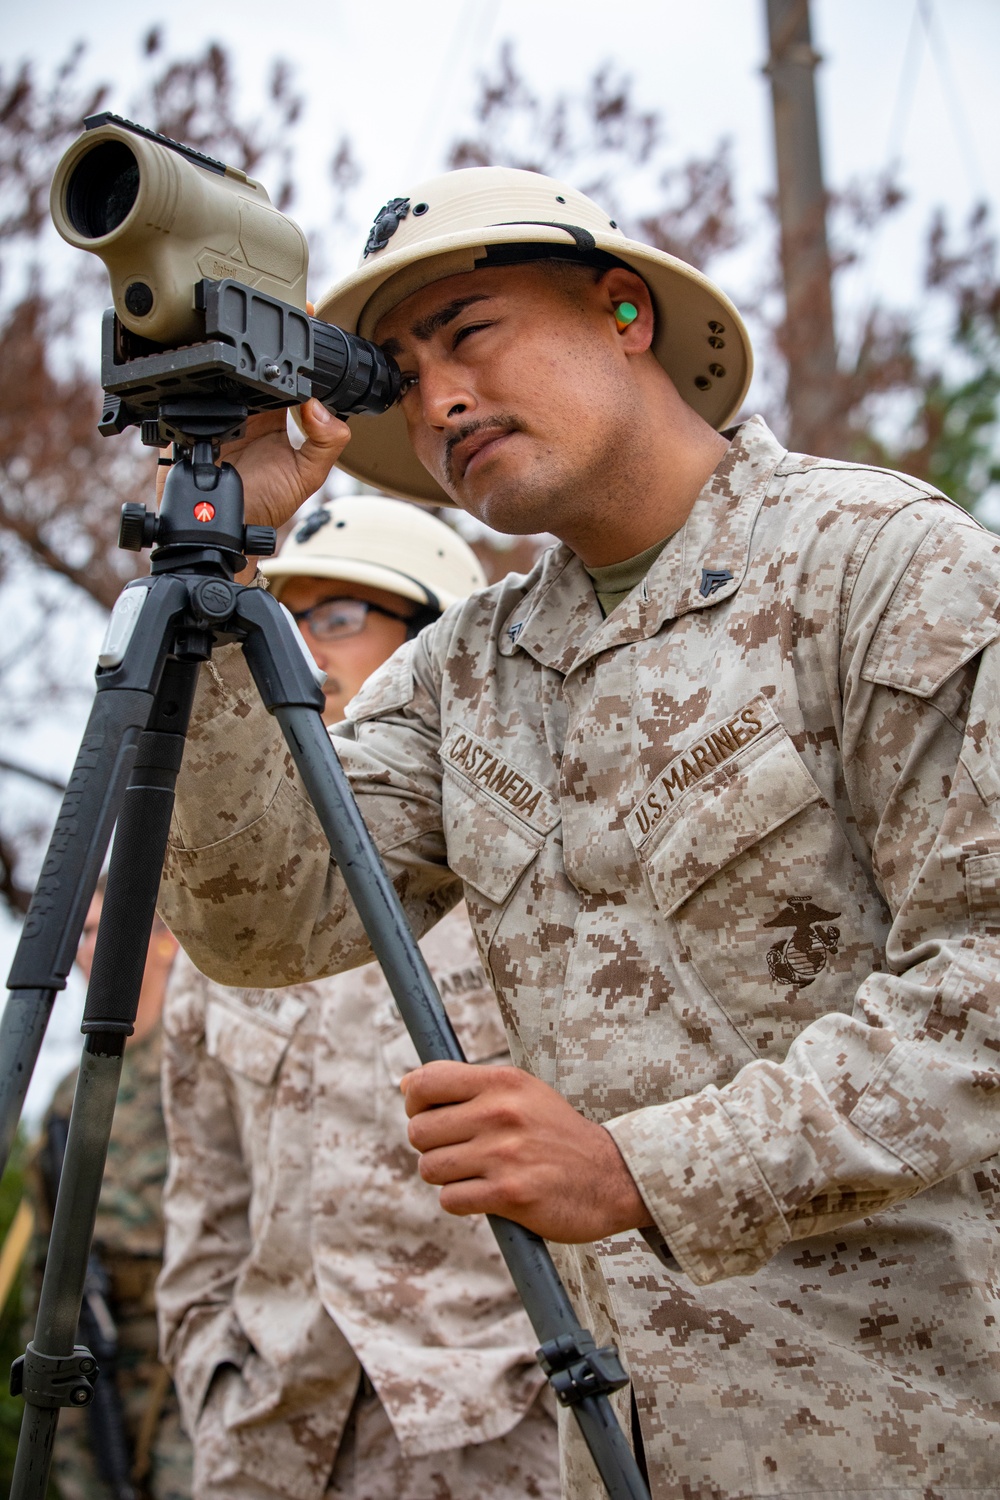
column 331, row 1331
column 352, row 624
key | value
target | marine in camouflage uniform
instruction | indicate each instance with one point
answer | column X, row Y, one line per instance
column 331, row 1331
column 305, row 1257
column 128, row 1239
column 732, row 857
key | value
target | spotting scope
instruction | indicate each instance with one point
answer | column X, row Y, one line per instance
column 208, row 280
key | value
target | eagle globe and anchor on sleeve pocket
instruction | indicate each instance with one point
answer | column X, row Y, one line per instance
column 773, row 914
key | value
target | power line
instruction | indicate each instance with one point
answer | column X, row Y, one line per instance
column 905, row 89
column 472, row 39
column 909, row 72
column 953, row 98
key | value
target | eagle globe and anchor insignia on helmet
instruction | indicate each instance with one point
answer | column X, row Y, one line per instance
column 387, row 221
column 800, row 958
column 314, row 522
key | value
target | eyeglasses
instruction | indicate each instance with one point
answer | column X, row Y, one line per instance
column 336, row 619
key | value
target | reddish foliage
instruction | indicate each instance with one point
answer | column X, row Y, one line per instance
column 603, row 142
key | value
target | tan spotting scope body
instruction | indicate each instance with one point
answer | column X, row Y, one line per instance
column 162, row 217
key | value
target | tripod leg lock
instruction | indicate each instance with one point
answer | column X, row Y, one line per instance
column 576, row 1368
column 52, row 1380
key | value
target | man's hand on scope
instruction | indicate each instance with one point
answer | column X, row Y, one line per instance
column 277, row 478
column 496, row 1140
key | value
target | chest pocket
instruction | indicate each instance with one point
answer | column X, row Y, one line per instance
column 496, row 819
column 248, row 1042
column 771, row 910
column 473, row 1011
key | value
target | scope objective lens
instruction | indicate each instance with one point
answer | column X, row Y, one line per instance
column 102, row 189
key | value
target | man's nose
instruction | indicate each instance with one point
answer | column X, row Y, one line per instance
column 323, row 659
column 445, row 397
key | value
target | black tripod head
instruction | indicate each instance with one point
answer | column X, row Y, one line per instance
column 200, row 525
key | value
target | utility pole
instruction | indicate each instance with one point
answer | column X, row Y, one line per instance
column 808, row 337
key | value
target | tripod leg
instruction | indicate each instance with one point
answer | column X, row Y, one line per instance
column 581, row 1375
column 109, row 1015
column 23, row 1025
column 59, row 906
column 54, row 1342
column 126, row 691
column 137, row 856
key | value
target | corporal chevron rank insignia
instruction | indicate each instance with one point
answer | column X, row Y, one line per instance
column 712, row 579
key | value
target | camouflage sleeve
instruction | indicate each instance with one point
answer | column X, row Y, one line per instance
column 249, row 887
column 205, row 1202
column 874, row 1103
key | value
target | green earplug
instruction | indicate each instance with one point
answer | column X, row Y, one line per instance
column 625, row 314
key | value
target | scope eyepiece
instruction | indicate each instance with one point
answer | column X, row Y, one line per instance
column 349, row 374
column 102, row 189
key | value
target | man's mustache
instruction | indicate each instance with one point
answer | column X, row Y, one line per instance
column 505, row 424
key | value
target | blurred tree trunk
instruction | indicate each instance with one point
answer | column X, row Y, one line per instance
column 807, row 337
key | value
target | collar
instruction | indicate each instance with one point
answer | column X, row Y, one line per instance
column 559, row 620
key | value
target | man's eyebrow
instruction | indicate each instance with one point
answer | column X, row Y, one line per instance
column 434, row 321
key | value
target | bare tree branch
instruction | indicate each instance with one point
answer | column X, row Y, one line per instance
column 32, row 775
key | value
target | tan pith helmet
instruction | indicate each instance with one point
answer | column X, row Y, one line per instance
column 385, row 544
column 478, row 216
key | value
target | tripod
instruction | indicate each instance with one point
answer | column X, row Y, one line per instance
column 162, row 629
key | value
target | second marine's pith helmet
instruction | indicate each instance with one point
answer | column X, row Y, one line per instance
column 385, row 544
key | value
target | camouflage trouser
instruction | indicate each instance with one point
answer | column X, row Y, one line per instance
column 370, row 1465
column 168, row 1475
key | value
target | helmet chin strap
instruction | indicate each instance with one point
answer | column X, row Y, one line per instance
column 425, row 615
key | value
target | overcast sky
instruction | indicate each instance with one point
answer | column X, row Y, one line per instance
column 400, row 78
column 908, row 80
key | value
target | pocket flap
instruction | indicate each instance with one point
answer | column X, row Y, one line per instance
column 480, row 1035
column 943, row 612
column 249, row 1045
column 486, row 848
column 724, row 816
column 495, row 817
column 982, row 887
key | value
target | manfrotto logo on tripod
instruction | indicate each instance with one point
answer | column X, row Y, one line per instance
column 799, row 958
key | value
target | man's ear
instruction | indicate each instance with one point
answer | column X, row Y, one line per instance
column 623, row 292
